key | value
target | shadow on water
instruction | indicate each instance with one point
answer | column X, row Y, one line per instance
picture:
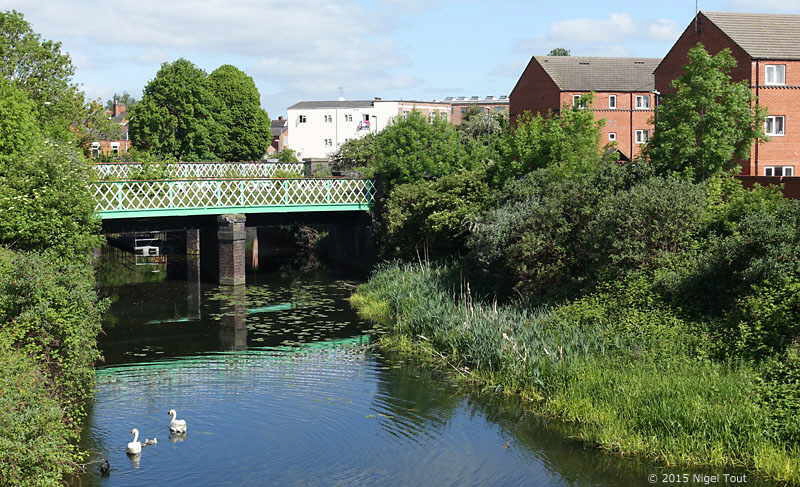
column 280, row 385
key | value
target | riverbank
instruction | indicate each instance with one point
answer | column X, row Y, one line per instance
column 632, row 380
column 50, row 317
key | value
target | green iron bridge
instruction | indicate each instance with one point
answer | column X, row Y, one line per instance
column 214, row 203
column 189, row 197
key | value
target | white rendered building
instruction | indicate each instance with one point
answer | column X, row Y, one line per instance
column 318, row 128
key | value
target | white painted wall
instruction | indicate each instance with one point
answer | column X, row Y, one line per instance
column 338, row 125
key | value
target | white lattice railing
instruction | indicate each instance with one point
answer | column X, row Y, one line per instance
column 116, row 196
column 187, row 170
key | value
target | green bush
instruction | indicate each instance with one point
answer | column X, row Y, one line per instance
column 49, row 311
column 37, row 448
column 413, row 148
column 629, row 374
column 47, row 201
column 434, row 216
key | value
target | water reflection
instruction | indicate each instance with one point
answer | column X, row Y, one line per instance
column 282, row 386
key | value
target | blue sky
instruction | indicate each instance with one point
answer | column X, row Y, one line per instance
column 317, row 49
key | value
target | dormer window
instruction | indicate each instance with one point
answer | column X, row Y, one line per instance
column 775, row 74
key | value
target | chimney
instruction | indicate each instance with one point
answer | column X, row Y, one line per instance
column 280, row 117
column 378, row 98
column 118, row 108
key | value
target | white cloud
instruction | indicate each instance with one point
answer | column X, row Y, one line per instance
column 593, row 30
column 610, row 36
column 309, row 45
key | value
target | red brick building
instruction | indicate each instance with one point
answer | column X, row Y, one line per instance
column 462, row 105
column 767, row 51
column 623, row 94
column 118, row 114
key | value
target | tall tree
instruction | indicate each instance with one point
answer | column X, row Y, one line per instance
column 559, row 51
column 19, row 130
column 177, row 115
column 708, row 122
column 40, row 69
column 247, row 125
column 123, row 98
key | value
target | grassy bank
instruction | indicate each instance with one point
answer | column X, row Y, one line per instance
column 628, row 374
column 49, row 321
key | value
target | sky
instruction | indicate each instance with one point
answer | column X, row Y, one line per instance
column 357, row 49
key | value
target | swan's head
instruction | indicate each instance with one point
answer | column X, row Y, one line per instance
column 171, row 412
column 134, row 431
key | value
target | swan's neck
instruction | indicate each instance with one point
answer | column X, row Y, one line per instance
column 172, row 415
column 135, row 436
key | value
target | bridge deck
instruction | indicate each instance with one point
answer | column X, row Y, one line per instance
column 185, row 197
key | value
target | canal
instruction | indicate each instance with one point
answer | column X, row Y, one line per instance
column 281, row 384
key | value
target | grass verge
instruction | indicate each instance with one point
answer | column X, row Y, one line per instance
column 627, row 378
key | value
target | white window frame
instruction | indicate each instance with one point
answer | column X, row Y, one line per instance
column 328, row 118
column 643, row 102
column 773, row 119
column 348, row 117
column 776, row 69
column 328, row 142
column 302, row 119
column 95, row 149
column 576, row 102
column 612, row 136
column 612, row 105
column 786, row 171
column 641, row 136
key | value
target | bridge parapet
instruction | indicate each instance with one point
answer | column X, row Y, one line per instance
column 190, row 170
column 180, row 197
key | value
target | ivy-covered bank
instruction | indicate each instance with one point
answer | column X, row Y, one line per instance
column 652, row 304
column 49, row 311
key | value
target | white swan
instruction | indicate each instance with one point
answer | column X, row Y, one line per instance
column 134, row 447
column 176, row 425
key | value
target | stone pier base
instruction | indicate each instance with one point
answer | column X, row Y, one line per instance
column 231, row 239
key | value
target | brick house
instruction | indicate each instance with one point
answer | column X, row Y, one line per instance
column 280, row 133
column 117, row 114
column 623, row 94
column 461, row 105
column 767, row 51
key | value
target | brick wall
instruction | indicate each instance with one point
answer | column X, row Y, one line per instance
column 535, row 91
column 713, row 39
column 778, row 100
column 791, row 185
column 622, row 121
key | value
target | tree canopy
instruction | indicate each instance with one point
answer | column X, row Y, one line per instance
column 414, row 148
column 41, row 70
column 19, row 130
column 177, row 115
column 247, row 126
column 559, row 51
column 708, row 122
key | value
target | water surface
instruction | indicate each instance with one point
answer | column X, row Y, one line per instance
column 281, row 385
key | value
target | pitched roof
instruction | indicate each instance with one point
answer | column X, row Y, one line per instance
column 575, row 73
column 308, row 105
column 762, row 36
column 278, row 126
